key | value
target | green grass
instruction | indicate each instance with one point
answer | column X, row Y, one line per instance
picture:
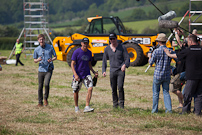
column 59, row 29
column 21, row 116
column 61, row 102
column 4, row 130
column 138, row 26
column 169, row 124
column 140, row 99
column 40, row 118
column 65, row 23
column 148, row 8
column 122, row 13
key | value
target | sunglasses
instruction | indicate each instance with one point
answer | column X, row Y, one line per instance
column 112, row 38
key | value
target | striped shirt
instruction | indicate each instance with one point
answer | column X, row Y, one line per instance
column 162, row 69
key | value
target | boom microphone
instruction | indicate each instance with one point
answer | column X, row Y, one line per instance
column 168, row 16
column 168, row 24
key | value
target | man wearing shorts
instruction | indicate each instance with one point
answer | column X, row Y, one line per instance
column 81, row 66
column 176, row 84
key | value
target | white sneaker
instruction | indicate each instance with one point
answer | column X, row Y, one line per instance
column 88, row 109
column 76, row 109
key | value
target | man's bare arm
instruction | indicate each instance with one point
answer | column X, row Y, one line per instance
column 169, row 53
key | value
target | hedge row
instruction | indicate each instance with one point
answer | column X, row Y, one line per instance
column 7, row 43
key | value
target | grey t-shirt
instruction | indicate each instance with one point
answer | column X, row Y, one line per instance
column 117, row 59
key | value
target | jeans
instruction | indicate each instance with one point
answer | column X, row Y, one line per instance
column 117, row 78
column 166, row 95
column 41, row 77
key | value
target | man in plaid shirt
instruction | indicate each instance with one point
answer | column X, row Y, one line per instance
column 161, row 74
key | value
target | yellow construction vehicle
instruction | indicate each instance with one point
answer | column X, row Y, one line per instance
column 98, row 29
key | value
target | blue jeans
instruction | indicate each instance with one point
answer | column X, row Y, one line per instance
column 166, row 95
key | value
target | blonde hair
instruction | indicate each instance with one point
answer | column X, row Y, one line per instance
column 41, row 35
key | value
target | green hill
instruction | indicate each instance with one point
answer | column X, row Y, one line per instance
column 180, row 6
column 148, row 8
column 138, row 26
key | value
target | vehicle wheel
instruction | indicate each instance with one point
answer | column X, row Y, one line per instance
column 145, row 61
column 93, row 62
column 136, row 54
column 69, row 55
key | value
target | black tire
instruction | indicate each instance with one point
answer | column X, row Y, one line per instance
column 69, row 55
column 145, row 61
column 135, row 53
column 93, row 62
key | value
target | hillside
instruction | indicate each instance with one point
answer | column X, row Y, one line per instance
column 67, row 10
column 137, row 27
column 64, row 15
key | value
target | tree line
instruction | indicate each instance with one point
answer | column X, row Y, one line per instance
column 11, row 11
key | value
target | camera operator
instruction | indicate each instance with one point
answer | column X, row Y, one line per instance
column 151, row 49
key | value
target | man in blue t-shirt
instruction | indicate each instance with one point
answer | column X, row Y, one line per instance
column 81, row 66
column 43, row 54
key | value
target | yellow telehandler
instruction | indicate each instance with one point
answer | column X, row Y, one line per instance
column 98, row 29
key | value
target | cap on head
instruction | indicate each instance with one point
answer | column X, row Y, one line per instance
column 161, row 37
column 112, row 35
column 85, row 40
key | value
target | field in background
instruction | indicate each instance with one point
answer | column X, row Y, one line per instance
column 138, row 26
column 148, row 8
column 122, row 13
column 19, row 114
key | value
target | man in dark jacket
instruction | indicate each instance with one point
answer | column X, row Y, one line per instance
column 193, row 58
column 119, row 61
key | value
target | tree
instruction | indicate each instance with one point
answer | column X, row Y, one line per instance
column 8, row 31
column 138, row 14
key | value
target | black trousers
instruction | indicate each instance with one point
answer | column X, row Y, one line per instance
column 18, row 59
column 193, row 88
column 117, row 78
column 41, row 77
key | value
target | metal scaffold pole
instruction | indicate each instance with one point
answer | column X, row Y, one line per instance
column 35, row 22
column 193, row 12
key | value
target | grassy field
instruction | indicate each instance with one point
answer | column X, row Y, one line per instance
column 148, row 8
column 138, row 26
column 20, row 116
column 122, row 13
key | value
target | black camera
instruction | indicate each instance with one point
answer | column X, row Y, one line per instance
column 50, row 68
column 151, row 49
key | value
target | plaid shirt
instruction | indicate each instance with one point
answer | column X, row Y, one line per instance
column 162, row 69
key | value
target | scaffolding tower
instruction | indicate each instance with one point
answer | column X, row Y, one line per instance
column 35, row 22
column 193, row 12
column 36, row 14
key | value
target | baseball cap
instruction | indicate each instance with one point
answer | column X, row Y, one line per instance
column 85, row 40
column 112, row 35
